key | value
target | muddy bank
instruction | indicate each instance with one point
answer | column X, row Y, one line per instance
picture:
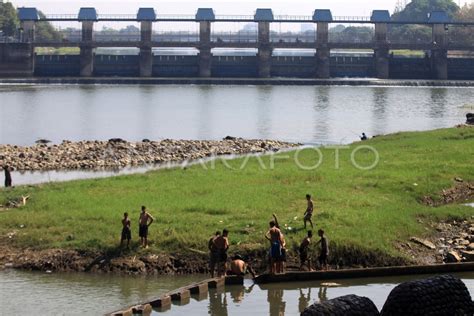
column 451, row 241
column 461, row 191
column 131, row 262
column 117, row 153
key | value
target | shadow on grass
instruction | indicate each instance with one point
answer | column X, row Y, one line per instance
column 205, row 210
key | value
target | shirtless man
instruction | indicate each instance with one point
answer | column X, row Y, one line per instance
column 126, row 231
column 304, row 247
column 274, row 236
column 221, row 244
column 144, row 222
column 280, row 262
column 239, row 267
column 323, row 256
column 309, row 211
column 213, row 255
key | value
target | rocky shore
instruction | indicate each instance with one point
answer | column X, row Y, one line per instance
column 118, row 153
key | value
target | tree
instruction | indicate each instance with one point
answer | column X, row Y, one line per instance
column 46, row 31
column 418, row 10
column 463, row 34
column 8, row 19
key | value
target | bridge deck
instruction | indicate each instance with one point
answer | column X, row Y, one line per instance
column 277, row 45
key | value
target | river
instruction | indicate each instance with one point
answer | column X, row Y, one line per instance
column 36, row 293
column 306, row 114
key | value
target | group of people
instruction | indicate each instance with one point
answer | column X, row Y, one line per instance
column 219, row 244
column 144, row 221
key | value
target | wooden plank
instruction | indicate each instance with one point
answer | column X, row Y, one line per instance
column 365, row 272
column 163, row 301
column 199, row 288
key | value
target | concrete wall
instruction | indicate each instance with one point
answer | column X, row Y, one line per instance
column 247, row 66
column 16, row 60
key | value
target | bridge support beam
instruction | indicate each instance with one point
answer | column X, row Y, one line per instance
column 146, row 53
column 28, row 31
column 323, row 51
column 439, row 52
column 381, row 51
column 87, row 51
column 205, row 56
column 264, row 50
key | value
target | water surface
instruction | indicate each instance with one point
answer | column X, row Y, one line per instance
column 307, row 114
column 27, row 293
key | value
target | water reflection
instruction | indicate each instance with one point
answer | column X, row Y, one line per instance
column 218, row 303
column 379, row 115
column 275, row 301
column 304, row 300
column 438, row 104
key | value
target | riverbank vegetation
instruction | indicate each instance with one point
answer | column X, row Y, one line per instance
column 365, row 210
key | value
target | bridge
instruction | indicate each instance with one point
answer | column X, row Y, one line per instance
column 18, row 58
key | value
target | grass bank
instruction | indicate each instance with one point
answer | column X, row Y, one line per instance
column 365, row 210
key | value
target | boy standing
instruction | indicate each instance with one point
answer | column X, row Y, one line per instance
column 222, row 245
column 304, row 247
column 309, row 211
column 274, row 236
column 323, row 256
column 144, row 222
column 126, row 231
column 213, row 256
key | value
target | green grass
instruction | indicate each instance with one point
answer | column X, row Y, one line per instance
column 370, row 210
column 408, row 53
column 57, row 51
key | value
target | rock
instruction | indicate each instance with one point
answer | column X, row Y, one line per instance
column 440, row 295
column 470, row 246
column 457, row 179
column 453, row 257
column 470, row 118
column 229, row 138
column 349, row 305
column 116, row 140
column 42, row 141
column 426, row 243
column 468, row 255
column 461, row 242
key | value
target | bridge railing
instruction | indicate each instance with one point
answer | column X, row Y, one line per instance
column 237, row 37
column 293, row 18
column 292, row 38
column 249, row 18
column 181, row 37
column 352, row 18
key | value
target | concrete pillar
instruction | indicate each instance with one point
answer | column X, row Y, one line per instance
column 439, row 52
column 17, row 60
column 28, row 31
column 87, row 50
column 264, row 50
column 146, row 53
column 205, row 56
column 322, row 50
column 381, row 51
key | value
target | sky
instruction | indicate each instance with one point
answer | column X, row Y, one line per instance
column 224, row 7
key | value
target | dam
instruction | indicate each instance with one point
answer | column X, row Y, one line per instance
column 313, row 55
